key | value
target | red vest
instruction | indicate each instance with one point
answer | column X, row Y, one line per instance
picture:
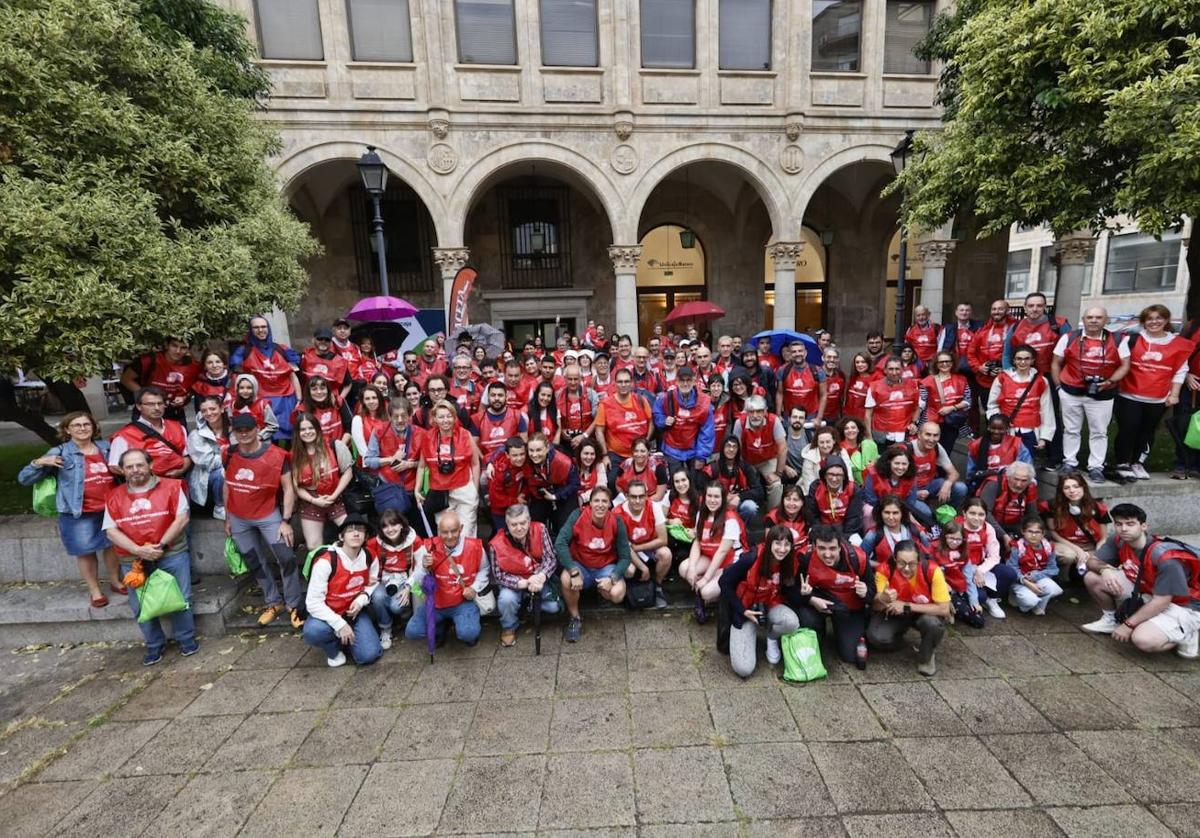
column 987, row 345
column 1041, row 338
column 640, row 530
column 371, row 427
column 627, row 474
column 552, row 474
column 334, row 370
column 393, row 559
column 838, row 581
column 329, row 418
column 466, row 395
column 711, row 538
column 587, row 480
column 1088, row 535
column 835, row 387
column 519, row 560
column 144, row 517
column 925, row 463
column 594, row 546
column 1158, row 552
column 855, row 402
column 832, row 508
column 680, row 509
column 688, row 420
column 344, row 584
column 329, row 478
column 408, row 447
column 457, row 449
column 1032, row 559
column 274, row 374
column 454, row 575
column 625, row 423
column 508, row 484
column 759, row 587
column 352, row 355
column 923, row 340
column 998, row 456
column 800, row 388
column 798, row 527
column 1084, row 357
column 174, row 380
column 204, row 386
column 574, row 411
column 758, row 444
column 1011, row 391
column 722, row 421
column 901, row 487
column 885, row 546
column 98, row 482
column 943, row 394
column 538, row 420
column 894, row 406
column 253, row 482
column 918, row 590
column 163, row 457
column 1010, row 507
column 1152, row 365
column 493, row 432
column 953, row 563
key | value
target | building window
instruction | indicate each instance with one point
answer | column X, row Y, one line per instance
column 289, row 29
column 907, row 23
column 380, row 30
column 487, row 31
column 569, row 33
column 669, row 34
column 1017, row 275
column 1137, row 262
column 535, row 245
column 836, row 35
column 745, row 34
column 1048, row 271
column 408, row 236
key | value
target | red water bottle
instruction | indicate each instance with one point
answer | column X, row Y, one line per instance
column 860, row 653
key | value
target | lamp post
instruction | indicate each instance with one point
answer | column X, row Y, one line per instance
column 374, row 177
column 900, row 156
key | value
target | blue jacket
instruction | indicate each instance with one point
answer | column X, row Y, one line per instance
column 705, row 439
column 69, row 499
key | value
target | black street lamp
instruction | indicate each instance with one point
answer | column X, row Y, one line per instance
column 900, row 156
column 374, row 177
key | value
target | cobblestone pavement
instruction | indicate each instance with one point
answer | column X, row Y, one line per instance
column 1030, row 728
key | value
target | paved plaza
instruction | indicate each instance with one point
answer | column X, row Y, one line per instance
column 1030, row 728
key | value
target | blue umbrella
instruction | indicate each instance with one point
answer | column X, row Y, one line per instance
column 781, row 337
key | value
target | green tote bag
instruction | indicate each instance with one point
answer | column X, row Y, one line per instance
column 159, row 596
column 802, row 656
column 45, row 493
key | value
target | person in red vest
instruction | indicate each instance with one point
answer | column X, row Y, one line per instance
column 321, row 471
column 342, row 581
column 460, row 569
column 244, row 398
column 1087, row 366
column 256, row 475
column 1036, row 564
column 322, row 401
column 576, row 404
column 755, row 589
column 521, row 554
column 508, row 477
column 1039, row 332
column 429, row 363
column 165, row 440
column 832, row 499
column 172, row 370
column 274, row 366
column 922, row 335
column 146, row 521
column 214, row 379
column 392, row 455
column 1147, row 587
column 946, row 395
column 1010, row 496
column 449, row 457
column 956, row 336
column 800, row 385
column 553, row 483
column 835, row 582
column 1024, row 396
column 622, row 418
column 321, row 361
column 893, row 405
column 593, row 551
column 911, row 592
column 644, row 378
column 985, row 355
column 398, row 549
column 647, row 529
column 348, row 350
column 499, row 421
column 464, row 389
column 764, row 445
column 993, row 451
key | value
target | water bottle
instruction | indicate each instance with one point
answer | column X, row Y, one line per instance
column 860, row 653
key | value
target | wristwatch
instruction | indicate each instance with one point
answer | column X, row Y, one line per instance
column 907, row 608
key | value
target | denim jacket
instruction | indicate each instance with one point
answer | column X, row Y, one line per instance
column 69, row 500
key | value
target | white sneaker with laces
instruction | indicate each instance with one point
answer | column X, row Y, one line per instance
column 774, row 653
column 1139, row 471
column 993, row 608
column 1107, row 624
column 218, row 513
column 1190, row 646
column 338, row 661
column 385, row 638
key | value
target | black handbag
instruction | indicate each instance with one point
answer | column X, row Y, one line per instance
column 639, row 594
column 358, row 496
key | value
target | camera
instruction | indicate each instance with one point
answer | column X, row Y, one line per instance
column 1093, row 384
column 446, row 467
column 391, row 590
column 761, row 609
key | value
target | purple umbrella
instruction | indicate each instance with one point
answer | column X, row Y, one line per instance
column 428, row 584
column 381, row 308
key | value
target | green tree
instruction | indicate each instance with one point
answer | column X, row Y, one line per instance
column 1063, row 112
column 135, row 198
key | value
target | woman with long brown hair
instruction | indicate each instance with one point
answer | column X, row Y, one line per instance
column 1077, row 523
column 321, row 471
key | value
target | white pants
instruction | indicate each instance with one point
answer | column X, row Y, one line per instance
column 1027, row 600
column 465, row 501
column 1098, row 413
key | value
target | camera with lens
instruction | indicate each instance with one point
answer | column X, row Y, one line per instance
column 1093, row 383
column 446, row 467
column 392, row 589
column 761, row 609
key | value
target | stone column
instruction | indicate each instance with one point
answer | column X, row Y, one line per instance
column 1073, row 251
column 449, row 260
column 625, row 259
column 933, row 254
column 786, row 255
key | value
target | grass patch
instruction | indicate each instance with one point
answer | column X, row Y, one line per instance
column 16, row 499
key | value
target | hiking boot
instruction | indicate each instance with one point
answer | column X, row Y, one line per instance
column 574, row 630
column 269, row 614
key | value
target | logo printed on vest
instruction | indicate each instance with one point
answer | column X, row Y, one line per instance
column 244, row 474
column 139, row 505
column 596, row 543
column 896, row 396
column 1152, row 355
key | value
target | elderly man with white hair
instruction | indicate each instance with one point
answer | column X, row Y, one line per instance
column 1010, row 496
column 1086, row 366
column 764, row 446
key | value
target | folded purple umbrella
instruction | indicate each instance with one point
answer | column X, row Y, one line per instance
column 381, row 308
column 428, row 583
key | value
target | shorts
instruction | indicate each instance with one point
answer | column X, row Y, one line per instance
column 312, row 512
column 1176, row 622
column 83, row 535
column 590, row 576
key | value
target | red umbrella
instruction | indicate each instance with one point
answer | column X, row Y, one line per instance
column 695, row 310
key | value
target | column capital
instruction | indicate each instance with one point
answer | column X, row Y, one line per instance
column 450, row 259
column 785, row 254
column 934, row 252
column 625, row 256
column 1074, row 248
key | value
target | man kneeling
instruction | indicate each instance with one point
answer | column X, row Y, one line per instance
column 593, row 549
column 460, row 575
column 342, row 579
column 522, row 557
column 911, row 593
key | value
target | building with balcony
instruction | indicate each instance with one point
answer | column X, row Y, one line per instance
column 562, row 146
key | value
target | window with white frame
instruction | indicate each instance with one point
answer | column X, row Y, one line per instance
column 1016, row 281
column 908, row 21
column 836, row 36
column 1048, row 270
column 745, row 34
column 569, row 33
column 669, row 34
column 487, row 31
column 289, row 29
column 1137, row 262
column 380, row 30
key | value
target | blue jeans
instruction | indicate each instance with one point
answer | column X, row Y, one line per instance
column 183, row 623
column 364, row 650
column 958, row 494
column 1006, row 577
column 509, row 603
column 465, row 617
column 216, row 485
column 1029, row 439
column 384, row 607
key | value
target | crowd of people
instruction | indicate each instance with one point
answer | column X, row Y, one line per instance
column 785, row 487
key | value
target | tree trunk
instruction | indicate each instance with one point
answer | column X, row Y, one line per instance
column 12, row 411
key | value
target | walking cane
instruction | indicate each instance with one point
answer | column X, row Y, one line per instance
column 537, row 623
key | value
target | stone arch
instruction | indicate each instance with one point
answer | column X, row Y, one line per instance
column 483, row 174
column 759, row 174
column 866, row 153
column 292, row 169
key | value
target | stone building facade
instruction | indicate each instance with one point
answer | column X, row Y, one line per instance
column 542, row 141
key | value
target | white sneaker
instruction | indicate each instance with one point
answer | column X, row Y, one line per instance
column 1190, row 647
column 340, row 660
column 1107, row 624
column 385, row 638
column 1127, row 472
column 218, row 513
column 1039, row 610
column 774, row 653
column 993, row 608
column 1139, row 471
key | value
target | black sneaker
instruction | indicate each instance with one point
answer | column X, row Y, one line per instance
column 188, row 651
column 574, row 630
column 152, row 657
column 660, row 597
